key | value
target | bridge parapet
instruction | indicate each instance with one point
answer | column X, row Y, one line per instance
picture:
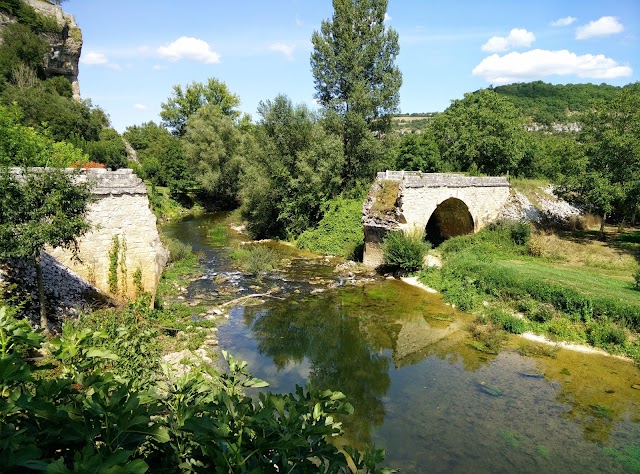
column 416, row 179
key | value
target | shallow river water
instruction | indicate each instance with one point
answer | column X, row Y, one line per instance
column 420, row 391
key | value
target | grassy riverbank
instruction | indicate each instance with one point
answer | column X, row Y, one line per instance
column 566, row 286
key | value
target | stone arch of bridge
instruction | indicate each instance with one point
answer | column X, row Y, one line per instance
column 450, row 218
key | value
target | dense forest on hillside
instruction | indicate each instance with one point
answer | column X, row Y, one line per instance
column 545, row 103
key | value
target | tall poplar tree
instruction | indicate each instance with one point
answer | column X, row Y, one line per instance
column 356, row 79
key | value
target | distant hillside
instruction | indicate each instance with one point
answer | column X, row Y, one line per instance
column 411, row 122
column 547, row 103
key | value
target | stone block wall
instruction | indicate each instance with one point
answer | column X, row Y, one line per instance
column 121, row 210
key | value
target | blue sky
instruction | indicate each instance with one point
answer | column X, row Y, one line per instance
column 134, row 51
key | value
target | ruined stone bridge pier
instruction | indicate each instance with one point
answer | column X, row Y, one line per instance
column 441, row 204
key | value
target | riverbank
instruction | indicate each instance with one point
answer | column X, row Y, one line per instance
column 509, row 278
column 413, row 281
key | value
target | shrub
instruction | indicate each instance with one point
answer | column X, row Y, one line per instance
column 508, row 322
column 79, row 419
column 520, row 233
column 255, row 258
column 405, row 251
column 177, row 249
column 339, row 232
column 636, row 277
column 603, row 333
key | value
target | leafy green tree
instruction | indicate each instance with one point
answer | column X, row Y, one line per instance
column 356, row 80
column 483, row 131
column 63, row 118
column 161, row 156
column 109, row 149
column 419, row 152
column 23, row 146
column 40, row 208
column 607, row 180
column 295, row 168
column 213, row 147
column 184, row 103
column 21, row 46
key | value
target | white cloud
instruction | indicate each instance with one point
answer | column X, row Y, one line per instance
column 299, row 22
column 159, row 67
column 139, row 106
column 539, row 63
column 98, row 59
column 387, row 17
column 189, row 48
column 605, row 26
column 517, row 38
column 93, row 57
column 566, row 21
column 286, row 49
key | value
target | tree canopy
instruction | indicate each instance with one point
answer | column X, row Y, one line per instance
column 184, row 103
column 483, row 131
column 356, row 79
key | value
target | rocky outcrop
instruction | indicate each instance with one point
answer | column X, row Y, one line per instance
column 547, row 208
column 66, row 46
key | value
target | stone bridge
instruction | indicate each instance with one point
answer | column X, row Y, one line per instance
column 442, row 205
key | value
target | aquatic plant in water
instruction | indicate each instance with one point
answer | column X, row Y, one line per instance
column 512, row 439
column 490, row 389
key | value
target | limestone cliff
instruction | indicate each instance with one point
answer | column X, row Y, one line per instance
column 66, row 45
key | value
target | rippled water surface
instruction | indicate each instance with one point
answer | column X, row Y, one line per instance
column 419, row 390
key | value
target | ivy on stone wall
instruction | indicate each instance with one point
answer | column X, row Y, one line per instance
column 114, row 253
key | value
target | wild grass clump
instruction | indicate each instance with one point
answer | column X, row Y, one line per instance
column 255, row 259
column 636, row 277
column 508, row 322
column 405, row 251
column 605, row 333
column 177, row 250
column 487, row 338
column 218, row 235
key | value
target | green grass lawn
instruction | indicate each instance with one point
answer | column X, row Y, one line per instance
column 586, row 280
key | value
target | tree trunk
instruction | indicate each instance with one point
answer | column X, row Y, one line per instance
column 604, row 219
column 44, row 324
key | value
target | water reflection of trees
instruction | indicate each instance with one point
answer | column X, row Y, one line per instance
column 339, row 356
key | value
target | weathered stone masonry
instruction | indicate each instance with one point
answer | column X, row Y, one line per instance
column 121, row 209
column 449, row 204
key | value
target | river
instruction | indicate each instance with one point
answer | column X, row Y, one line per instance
column 419, row 389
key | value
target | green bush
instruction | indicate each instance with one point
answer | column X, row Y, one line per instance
column 177, row 249
column 520, row 233
column 339, row 232
column 508, row 322
column 255, row 258
column 405, row 251
column 636, row 277
column 86, row 417
column 605, row 333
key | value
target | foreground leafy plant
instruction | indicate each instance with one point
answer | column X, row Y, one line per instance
column 86, row 418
